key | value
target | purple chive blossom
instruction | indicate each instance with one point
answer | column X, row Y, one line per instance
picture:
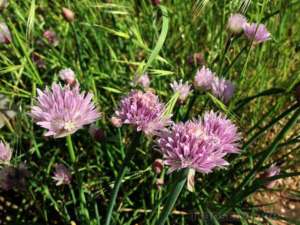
column 183, row 89
column 222, row 89
column 204, row 78
column 221, row 132
column 51, row 37
column 144, row 111
column 5, row 35
column 61, row 175
column 271, row 172
column 63, row 110
column 191, row 144
column 68, row 76
column 5, row 153
column 236, row 23
column 142, row 80
column 257, row 32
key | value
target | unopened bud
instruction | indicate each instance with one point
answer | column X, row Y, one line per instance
column 68, row 76
column 156, row 2
column 158, row 166
column 116, row 122
column 97, row 133
column 196, row 59
column 68, row 14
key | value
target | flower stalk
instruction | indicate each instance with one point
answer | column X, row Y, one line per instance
column 122, row 173
column 71, row 148
column 174, row 194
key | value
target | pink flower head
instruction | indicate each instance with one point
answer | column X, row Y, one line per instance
column 221, row 132
column 198, row 144
column 257, row 32
column 183, row 89
column 142, row 80
column 5, row 153
column 204, row 78
column 51, row 37
column 236, row 23
column 63, row 110
column 222, row 89
column 68, row 76
column 116, row 122
column 61, row 175
column 144, row 111
column 5, row 35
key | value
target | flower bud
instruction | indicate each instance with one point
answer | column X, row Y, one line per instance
column 5, row 35
column 51, row 37
column 116, row 122
column 96, row 133
column 156, row 2
column 196, row 59
column 158, row 166
column 68, row 76
column 68, row 14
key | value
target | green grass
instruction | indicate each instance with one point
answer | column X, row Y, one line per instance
column 106, row 45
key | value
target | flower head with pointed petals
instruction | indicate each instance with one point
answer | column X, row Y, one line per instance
column 222, row 89
column 257, row 33
column 62, row 175
column 198, row 144
column 236, row 23
column 144, row 111
column 63, row 110
column 183, row 89
column 204, row 78
column 5, row 153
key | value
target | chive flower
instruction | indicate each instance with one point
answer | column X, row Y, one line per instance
column 257, row 33
column 144, row 111
column 236, row 23
column 200, row 145
column 183, row 89
column 62, row 175
column 5, row 35
column 63, row 110
column 5, row 153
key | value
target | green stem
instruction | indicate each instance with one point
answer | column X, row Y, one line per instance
column 71, row 149
column 175, row 192
column 121, row 175
column 190, row 106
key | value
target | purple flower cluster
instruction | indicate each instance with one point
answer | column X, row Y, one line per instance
column 144, row 111
column 61, row 175
column 221, row 88
column 63, row 110
column 183, row 89
column 257, row 33
column 199, row 144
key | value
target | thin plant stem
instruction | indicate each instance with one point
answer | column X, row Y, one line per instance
column 123, row 171
column 174, row 194
column 71, row 149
